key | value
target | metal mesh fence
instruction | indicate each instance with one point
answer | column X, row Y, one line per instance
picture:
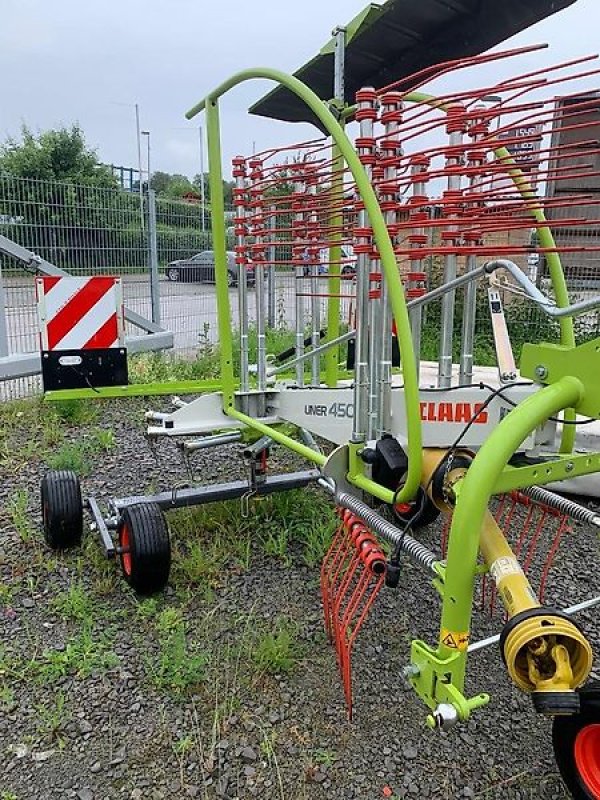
column 89, row 230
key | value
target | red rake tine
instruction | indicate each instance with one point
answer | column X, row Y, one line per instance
column 564, row 527
column 333, row 562
column 372, row 579
column 336, row 551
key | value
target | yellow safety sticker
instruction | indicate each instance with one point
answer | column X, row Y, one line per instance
column 456, row 640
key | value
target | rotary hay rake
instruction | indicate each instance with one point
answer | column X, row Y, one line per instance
column 427, row 206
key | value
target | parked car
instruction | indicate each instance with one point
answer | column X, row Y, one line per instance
column 347, row 263
column 201, row 269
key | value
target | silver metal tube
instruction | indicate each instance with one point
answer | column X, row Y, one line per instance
column 483, row 643
column 153, row 257
column 3, row 325
column 540, row 299
column 477, row 129
column 450, row 265
column 271, row 268
column 308, row 439
column 258, row 446
column 315, row 300
column 361, row 352
column 416, row 313
column 468, row 327
column 261, row 341
column 212, row 441
column 375, row 341
column 242, row 288
column 339, row 62
column 299, row 299
column 256, row 175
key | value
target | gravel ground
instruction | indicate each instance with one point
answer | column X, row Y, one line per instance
column 92, row 704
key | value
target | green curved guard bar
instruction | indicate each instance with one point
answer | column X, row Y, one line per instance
column 477, row 488
column 382, row 240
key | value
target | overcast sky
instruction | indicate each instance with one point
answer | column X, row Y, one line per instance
column 89, row 61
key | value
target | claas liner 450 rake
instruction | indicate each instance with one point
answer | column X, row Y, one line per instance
column 431, row 204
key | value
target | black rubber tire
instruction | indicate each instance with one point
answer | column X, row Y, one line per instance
column 143, row 531
column 62, row 509
column 173, row 274
column 564, row 734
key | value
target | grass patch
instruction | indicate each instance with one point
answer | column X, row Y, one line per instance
column 179, row 665
column 76, row 412
column 85, row 653
column 52, row 718
column 70, row 456
column 20, row 516
column 278, row 650
column 212, row 538
column 103, row 439
column 74, row 604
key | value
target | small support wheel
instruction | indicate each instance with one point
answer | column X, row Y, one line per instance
column 62, row 509
column 144, row 547
column 576, row 740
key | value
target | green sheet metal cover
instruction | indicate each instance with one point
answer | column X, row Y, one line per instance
column 389, row 42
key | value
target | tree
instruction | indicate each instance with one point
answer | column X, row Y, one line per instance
column 228, row 187
column 60, row 155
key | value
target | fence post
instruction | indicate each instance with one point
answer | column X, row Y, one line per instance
column 153, row 257
column 3, row 325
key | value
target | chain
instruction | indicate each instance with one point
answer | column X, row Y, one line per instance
column 445, row 485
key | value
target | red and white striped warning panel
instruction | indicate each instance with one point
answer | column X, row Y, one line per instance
column 80, row 313
column 82, row 332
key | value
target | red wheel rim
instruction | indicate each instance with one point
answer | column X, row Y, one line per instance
column 587, row 758
column 124, row 542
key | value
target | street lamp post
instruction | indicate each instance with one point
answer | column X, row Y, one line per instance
column 202, row 196
column 139, row 154
column 147, row 135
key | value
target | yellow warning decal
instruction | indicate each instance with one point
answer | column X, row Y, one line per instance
column 456, row 640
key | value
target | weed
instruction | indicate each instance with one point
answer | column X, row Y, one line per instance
column 76, row 412
column 70, row 456
column 52, row 431
column 20, row 515
column 317, row 538
column 179, row 666
column 149, row 607
column 84, row 653
column 52, row 718
column 104, row 575
column 7, row 697
column 181, row 748
column 275, row 543
column 75, row 604
column 325, row 757
column 103, row 439
column 278, row 651
column 8, row 796
column 200, row 563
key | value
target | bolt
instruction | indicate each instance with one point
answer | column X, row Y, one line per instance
column 569, row 466
column 444, row 717
column 541, row 372
column 410, row 671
